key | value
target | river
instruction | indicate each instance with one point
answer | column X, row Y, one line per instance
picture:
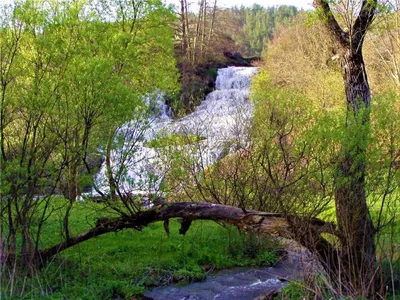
column 244, row 283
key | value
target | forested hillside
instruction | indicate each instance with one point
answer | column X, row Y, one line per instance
column 215, row 37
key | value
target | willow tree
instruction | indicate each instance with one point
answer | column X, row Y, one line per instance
column 357, row 259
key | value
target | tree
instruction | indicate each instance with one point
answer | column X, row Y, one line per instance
column 70, row 76
column 303, row 122
column 184, row 26
column 258, row 25
column 356, row 230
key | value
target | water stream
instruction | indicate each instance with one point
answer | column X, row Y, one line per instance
column 242, row 283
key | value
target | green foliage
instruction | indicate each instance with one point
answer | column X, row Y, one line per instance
column 72, row 73
column 304, row 91
column 125, row 263
column 77, row 74
column 297, row 136
column 259, row 25
column 305, row 130
column 391, row 277
column 174, row 140
column 294, row 290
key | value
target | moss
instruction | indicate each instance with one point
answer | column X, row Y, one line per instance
column 174, row 140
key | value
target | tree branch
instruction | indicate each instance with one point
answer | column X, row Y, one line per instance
column 264, row 223
column 363, row 21
column 332, row 25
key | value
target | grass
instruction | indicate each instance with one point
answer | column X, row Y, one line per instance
column 387, row 242
column 124, row 264
column 321, row 287
column 390, row 232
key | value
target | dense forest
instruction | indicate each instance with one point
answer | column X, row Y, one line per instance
column 145, row 145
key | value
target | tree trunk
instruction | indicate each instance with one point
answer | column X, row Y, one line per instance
column 184, row 45
column 212, row 21
column 198, row 32
column 203, row 32
column 357, row 265
column 355, row 81
column 358, row 256
column 188, row 40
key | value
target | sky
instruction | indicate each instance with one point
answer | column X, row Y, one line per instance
column 306, row 4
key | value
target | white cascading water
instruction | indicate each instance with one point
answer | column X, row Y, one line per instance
column 221, row 119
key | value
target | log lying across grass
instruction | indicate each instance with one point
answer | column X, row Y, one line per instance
column 305, row 231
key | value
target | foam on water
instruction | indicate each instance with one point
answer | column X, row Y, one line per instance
column 222, row 117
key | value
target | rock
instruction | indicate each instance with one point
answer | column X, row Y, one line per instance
column 237, row 60
column 300, row 261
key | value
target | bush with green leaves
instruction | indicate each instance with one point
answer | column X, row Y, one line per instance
column 73, row 72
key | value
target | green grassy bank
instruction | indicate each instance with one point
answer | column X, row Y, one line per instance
column 124, row 264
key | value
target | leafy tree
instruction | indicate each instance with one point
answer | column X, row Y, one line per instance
column 358, row 256
column 307, row 131
column 72, row 73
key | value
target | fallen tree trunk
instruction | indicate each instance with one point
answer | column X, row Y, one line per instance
column 264, row 223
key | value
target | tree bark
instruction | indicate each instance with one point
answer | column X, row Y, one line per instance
column 357, row 265
column 198, row 32
column 355, row 81
column 188, row 39
column 184, row 44
column 264, row 223
column 203, row 32
column 354, row 222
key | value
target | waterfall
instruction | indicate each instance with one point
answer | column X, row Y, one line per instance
column 222, row 107
column 219, row 120
column 224, row 115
